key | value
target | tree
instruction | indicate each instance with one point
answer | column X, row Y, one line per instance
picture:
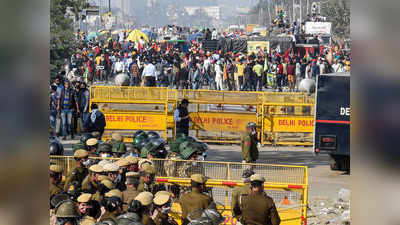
column 62, row 38
column 338, row 12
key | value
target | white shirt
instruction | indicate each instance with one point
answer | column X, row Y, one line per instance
column 176, row 116
column 207, row 63
column 119, row 66
column 149, row 71
column 214, row 35
column 218, row 72
column 297, row 69
column 93, row 115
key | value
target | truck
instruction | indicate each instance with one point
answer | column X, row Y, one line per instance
column 332, row 119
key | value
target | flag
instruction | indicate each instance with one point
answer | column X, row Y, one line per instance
column 329, row 56
column 225, row 75
column 321, row 50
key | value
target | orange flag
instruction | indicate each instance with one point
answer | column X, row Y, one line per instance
column 225, row 75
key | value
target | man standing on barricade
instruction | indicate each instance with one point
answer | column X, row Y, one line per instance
column 256, row 207
column 181, row 117
column 249, row 144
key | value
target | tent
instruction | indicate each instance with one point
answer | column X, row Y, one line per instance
column 135, row 36
column 195, row 36
column 151, row 35
column 93, row 35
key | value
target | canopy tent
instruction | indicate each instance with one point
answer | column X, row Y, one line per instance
column 93, row 35
column 151, row 35
column 195, row 36
column 135, row 36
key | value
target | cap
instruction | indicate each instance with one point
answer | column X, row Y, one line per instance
column 143, row 162
column 257, row 177
column 114, row 193
column 161, row 198
column 96, row 134
column 162, row 193
column 122, row 162
column 116, row 136
column 111, row 167
column 96, row 168
column 80, row 153
column 146, row 198
column 149, row 169
column 84, row 197
column 132, row 160
column 251, row 124
column 132, row 174
column 91, row 142
column 56, row 169
column 107, row 183
column 198, row 178
column 103, row 163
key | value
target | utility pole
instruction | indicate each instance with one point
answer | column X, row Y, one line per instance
column 109, row 5
column 301, row 18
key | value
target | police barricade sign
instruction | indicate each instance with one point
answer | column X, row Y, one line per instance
column 217, row 121
column 136, row 121
column 289, row 124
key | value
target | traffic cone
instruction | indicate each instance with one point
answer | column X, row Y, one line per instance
column 285, row 201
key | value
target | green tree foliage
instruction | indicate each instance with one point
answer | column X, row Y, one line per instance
column 62, row 38
column 338, row 12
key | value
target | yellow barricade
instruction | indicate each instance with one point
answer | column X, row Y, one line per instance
column 287, row 185
column 218, row 116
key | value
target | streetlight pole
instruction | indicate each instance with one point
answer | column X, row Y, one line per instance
column 109, row 5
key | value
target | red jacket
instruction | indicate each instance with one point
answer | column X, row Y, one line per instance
column 290, row 69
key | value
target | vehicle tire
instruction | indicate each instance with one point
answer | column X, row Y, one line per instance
column 334, row 163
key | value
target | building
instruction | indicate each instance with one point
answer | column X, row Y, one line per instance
column 211, row 11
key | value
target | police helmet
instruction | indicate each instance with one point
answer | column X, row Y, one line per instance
column 85, row 137
column 251, row 124
column 137, row 133
column 78, row 146
column 66, row 209
column 174, row 145
column 119, row 147
column 111, row 203
column 152, row 134
column 140, row 140
column 105, row 147
column 56, row 148
column 187, row 149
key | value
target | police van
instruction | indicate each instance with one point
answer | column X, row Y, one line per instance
column 332, row 119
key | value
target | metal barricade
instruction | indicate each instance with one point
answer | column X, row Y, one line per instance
column 283, row 118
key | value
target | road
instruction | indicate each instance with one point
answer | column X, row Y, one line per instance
column 322, row 181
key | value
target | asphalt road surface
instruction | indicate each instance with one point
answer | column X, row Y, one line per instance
column 322, row 181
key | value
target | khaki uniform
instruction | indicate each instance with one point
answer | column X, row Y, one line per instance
column 77, row 174
column 249, row 148
column 88, row 220
column 55, row 189
column 145, row 187
column 162, row 219
column 97, row 196
column 192, row 201
column 258, row 209
column 109, row 216
column 129, row 195
column 237, row 192
column 171, row 165
column 88, row 186
column 147, row 220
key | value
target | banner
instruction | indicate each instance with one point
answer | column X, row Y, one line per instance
column 318, row 28
column 234, row 122
column 303, row 124
column 139, row 121
column 252, row 46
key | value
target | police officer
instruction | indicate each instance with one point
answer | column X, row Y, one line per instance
column 92, row 146
column 132, row 183
column 146, row 199
column 83, row 200
column 196, row 199
column 249, row 144
column 66, row 213
column 123, row 168
column 79, row 173
column 181, row 117
column 55, row 180
column 162, row 204
column 105, row 150
column 147, row 178
column 89, row 184
column 257, row 207
column 239, row 190
column 133, row 216
column 118, row 145
column 93, row 212
column 112, row 203
column 133, row 163
column 112, row 171
column 103, row 187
